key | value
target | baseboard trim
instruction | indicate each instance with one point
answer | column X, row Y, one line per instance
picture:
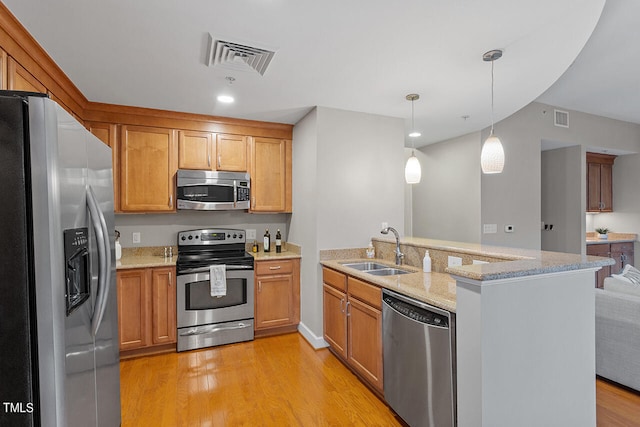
column 315, row 341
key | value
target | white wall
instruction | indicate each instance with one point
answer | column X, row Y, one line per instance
column 349, row 175
column 162, row 229
column 563, row 199
column 446, row 202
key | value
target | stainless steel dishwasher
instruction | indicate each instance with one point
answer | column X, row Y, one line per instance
column 419, row 361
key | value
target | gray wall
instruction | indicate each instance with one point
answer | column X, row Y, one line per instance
column 348, row 174
column 563, row 199
column 446, row 202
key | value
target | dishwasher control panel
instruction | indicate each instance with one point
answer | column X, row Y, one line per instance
column 416, row 313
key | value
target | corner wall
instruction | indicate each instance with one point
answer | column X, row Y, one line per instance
column 348, row 175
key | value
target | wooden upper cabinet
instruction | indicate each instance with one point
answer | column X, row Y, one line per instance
column 148, row 164
column 600, row 182
column 231, row 153
column 270, row 170
column 18, row 78
column 3, row 70
column 107, row 133
column 195, row 150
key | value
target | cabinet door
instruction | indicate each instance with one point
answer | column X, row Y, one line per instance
column 270, row 175
column 602, row 250
column 365, row 341
column 195, row 150
column 274, row 301
column 335, row 319
column 147, row 169
column 231, row 153
column 18, row 78
column 593, row 187
column 163, row 305
column 107, row 133
column 133, row 307
column 622, row 253
column 606, row 188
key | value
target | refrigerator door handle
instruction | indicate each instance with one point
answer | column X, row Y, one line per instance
column 104, row 257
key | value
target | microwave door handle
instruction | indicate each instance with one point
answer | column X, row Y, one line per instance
column 235, row 193
column 104, row 257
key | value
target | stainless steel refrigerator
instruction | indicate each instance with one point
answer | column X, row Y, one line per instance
column 59, row 354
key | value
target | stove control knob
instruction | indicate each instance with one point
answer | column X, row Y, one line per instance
column 235, row 236
column 190, row 237
column 239, row 236
column 228, row 236
column 183, row 238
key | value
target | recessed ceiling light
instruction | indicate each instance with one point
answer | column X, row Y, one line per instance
column 225, row 98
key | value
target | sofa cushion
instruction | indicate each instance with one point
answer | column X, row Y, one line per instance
column 622, row 283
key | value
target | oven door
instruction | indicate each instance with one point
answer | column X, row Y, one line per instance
column 196, row 306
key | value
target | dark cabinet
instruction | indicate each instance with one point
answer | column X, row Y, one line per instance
column 600, row 182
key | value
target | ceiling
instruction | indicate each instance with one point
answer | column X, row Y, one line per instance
column 359, row 55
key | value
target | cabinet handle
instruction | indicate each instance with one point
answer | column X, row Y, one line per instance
column 209, row 159
column 171, row 200
column 170, row 278
column 218, row 160
column 347, row 308
column 259, row 285
column 341, row 305
column 275, row 268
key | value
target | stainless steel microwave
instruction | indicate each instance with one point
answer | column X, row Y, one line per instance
column 208, row 190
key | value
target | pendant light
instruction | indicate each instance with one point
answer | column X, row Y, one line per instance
column 412, row 170
column 492, row 156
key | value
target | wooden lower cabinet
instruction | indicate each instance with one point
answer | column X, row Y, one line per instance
column 146, row 308
column 277, row 296
column 353, row 324
column 622, row 253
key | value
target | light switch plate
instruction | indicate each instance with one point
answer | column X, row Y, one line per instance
column 135, row 236
column 490, row 228
column 454, row 261
column 251, row 234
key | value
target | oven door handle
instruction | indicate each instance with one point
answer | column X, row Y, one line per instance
column 206, row 330
column 206, row 269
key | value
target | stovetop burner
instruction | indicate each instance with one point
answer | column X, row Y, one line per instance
column 205, row 247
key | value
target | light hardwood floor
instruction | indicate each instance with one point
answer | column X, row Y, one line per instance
column 278, row 381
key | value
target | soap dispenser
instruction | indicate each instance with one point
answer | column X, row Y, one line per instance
column 371, row 252
column 426, row 263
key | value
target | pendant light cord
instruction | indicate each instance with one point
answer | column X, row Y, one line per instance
column 492, row 61
column 413, row 128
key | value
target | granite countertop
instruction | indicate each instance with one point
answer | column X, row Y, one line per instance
column 437, row 289
column 592, row 238
column 289, row 251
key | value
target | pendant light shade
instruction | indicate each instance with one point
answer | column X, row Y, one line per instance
column 492, row 155
column 412, row 170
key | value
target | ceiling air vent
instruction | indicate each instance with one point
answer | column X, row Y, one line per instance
column 561, row 118
column 237, row 56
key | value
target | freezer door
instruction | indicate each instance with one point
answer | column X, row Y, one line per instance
column 107, row 356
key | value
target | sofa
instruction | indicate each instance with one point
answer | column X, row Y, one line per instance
column 618, row 329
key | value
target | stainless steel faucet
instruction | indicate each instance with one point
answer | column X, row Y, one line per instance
column 399, row 255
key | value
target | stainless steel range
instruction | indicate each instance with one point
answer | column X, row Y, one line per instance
column 205, row 320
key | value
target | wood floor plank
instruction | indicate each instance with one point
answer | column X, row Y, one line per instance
column 279, row 381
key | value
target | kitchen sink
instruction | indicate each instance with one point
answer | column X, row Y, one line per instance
column 388, row 271
column 376, row 269
column 362, row 266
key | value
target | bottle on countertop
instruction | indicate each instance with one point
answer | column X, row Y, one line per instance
column 254, row 248
column 267, row 241
column 278, row 242
column 371, row 252
column 118, row 246
column 426, row 263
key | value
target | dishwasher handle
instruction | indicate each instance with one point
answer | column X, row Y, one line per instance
column 415, row 313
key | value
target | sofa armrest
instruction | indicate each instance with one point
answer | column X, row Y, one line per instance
column 618, row 337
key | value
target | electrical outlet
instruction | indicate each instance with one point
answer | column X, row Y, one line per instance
column 251, row 234
column 453, row 261
column 135, row 236
column 490, row 228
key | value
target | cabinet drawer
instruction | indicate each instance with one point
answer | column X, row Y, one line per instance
column 265, row 268
column 598, row 249
column 335, row 279
column 365, row 292
column 622, row 247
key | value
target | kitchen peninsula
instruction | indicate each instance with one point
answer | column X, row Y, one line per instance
column 525, row 334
